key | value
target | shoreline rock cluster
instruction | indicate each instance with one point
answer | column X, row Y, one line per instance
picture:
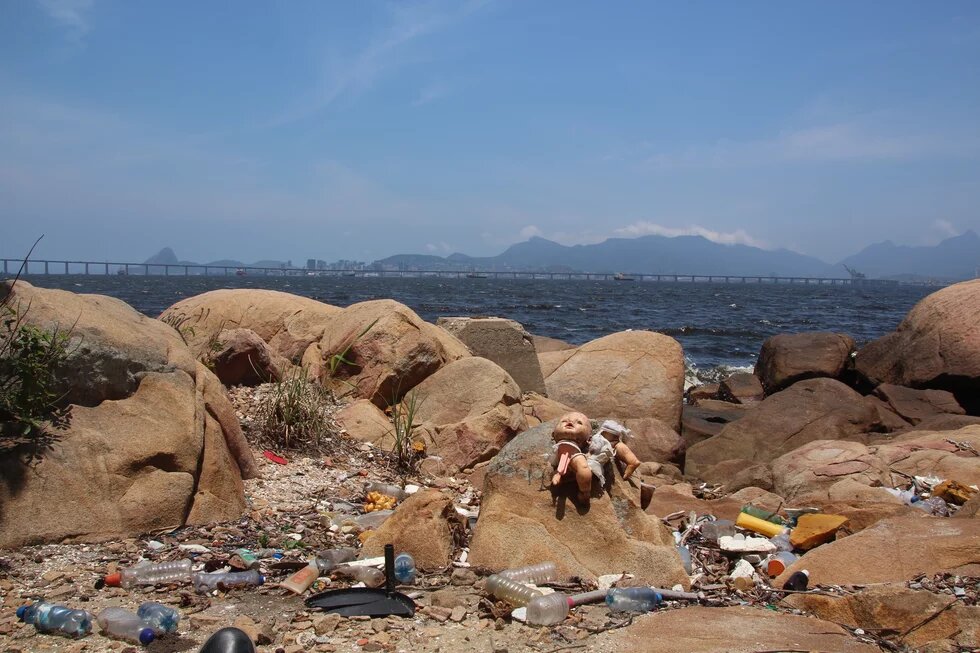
column 156, row 446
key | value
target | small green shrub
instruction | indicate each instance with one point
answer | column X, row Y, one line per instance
column 294, row 413
column 406, row 449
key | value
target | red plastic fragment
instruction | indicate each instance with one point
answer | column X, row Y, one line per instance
column 273, row 457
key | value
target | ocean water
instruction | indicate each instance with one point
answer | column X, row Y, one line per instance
column 720, row 326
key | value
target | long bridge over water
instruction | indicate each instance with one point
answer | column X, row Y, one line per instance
column 103, row 268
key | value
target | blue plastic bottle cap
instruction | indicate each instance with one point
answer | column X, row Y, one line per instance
column 146, row 636
column 21, row 611
column 261, row 580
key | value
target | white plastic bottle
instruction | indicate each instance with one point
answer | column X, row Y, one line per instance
column 148, row 573
column 119, row 623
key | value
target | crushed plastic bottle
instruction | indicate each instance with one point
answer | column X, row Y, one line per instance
column 405, row 568
column 633, row 599
column 148, row 573
column 762, row 513
column 225, row 581
column 370, row 576
column 685, row 555
column 119, row 623
column 511, row 591
column 58, row 619
column 302, row 579
column 543, row 572
column 782, row 542
column 548, row 609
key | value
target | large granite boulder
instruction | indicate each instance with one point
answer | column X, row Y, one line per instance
column 628, row 374
column 538, row 408
column 654, row 440
column 364, row 421
column 936, row 346
column 895, row 550
column 152, row 442
column 287, row 323
column 505, row 342
column 708, row 418
column 390, row 350
column 790, row 357
column 741, row 388
column 741, row 629
column 468, row 410
column 815, row 409
column 520, row 524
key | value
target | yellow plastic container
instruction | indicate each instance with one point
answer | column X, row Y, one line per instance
column 760, row 526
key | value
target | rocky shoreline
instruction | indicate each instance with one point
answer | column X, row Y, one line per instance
column 165, row 458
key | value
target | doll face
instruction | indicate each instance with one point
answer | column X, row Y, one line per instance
column 573, row 426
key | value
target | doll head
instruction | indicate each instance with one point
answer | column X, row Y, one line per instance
column 572, row 426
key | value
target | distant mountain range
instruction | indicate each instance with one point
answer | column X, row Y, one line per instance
column 953, row 259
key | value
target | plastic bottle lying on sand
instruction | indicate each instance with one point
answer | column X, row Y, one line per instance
column 511, row 591
column 161, row 618
column 54, row 618
column 227, row 580
column 404, row 568
column 543, row 572
column 685, row 555
column 548, row 609
column 148, row 573
column 327, row 559
column 119, row 623
column 302, row 579
column 370, row 576
column 632, row 599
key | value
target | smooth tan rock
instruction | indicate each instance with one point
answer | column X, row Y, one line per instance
column 398, row 352
column 895, row 550
column 739, row 473
column 790, row 357
column 505, row 342
column 544, row 344
column 424, row 526
column 729, row 630
column 654, row 440
column 288, row 323
column 815, row 409
column 469, row 409
column 937, row 346
column 810, row 471
column 702, row 392
column 365, row 422
column 519, row 524
column 145, row 448
column 814, row 530
column 630, row 374
column 549, row 361
column 668, row 499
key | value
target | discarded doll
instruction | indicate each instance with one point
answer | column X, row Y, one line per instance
column 577, row 450
column 618, row 435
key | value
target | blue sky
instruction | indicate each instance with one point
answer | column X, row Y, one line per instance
column 359, row 129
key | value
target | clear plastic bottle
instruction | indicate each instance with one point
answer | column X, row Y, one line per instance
column 227, row 580
column 54, row 618
column 685, row 555
column 548, row 609
column 543, row 572
column 386, row 489
column 511, row 591
column 161, row 618
column 762, row 513
column 327, row 559
column 715, row 530
column 404, row 568
column 632, row 599
column 148, row 573
column 119, row 623
column 370, row 576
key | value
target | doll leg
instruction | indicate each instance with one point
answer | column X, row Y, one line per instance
column 626, row 454
column 583, row 477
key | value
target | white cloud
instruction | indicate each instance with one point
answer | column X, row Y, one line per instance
column 644, row 228
column 430, row 93
column 439, row 248
column 529, row 232
column 946, row 228
column 71, row 14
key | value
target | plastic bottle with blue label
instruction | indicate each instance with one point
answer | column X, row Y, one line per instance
column 161, row 618
column 405, row 569
column 58, row 619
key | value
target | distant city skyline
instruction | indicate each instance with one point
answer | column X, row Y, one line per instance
column 333, row 130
